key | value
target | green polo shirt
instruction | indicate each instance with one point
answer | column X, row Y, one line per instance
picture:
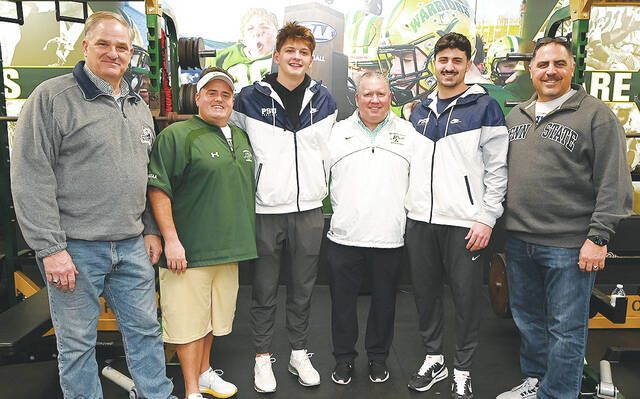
column 212, row 190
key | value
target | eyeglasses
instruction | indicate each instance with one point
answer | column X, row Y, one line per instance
column 563, row 40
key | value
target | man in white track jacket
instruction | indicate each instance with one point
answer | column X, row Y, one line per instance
column 371, row 154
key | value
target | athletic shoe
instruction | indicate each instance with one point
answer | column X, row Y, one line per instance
column 461, row 385
column 300, row 365
column 431, row 371
column 527, row 390
column 263, row 379
column 211, row 382
column 378, row 371
column 342, row 373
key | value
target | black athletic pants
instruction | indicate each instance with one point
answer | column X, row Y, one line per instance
column 347, row 267
column 437, row 254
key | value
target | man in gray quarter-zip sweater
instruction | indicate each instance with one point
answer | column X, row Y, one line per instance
column 569, row 185
column 79, row 180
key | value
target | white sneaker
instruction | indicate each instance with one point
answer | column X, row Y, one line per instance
column 300, row 365
column 195, row 396
column 527, row 390
column 212, row 383
column 263, row 379
column 461, row 385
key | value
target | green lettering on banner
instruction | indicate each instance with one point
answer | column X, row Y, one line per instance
column 21, row 81
column 612, row 86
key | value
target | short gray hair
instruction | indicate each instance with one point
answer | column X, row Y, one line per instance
column 372, row 75
column 99, row 16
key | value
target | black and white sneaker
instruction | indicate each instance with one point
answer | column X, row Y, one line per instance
column 527, row 390
column 342, row 373
column 431, row 371
column 461, row 385
column 378, row 371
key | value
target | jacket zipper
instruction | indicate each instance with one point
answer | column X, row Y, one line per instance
column 433, row 159
column 258, row 176
column 325, row 172
column 295, row 148
column 466, row 181
column 222, row 137
column 122, row 107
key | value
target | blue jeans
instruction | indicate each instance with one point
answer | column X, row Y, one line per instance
column 549, row 298
column 121, row 271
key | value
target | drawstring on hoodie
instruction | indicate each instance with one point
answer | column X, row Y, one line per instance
column 273, row 113
column 446, row 128
column 424, row 129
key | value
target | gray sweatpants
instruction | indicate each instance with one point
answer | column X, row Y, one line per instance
column 300, row 234
column 437, row 254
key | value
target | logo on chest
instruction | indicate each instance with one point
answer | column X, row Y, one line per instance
column 147, row 136
column 396, row 138
column 268, row 111
column 247, row 155
column 560, row 134
column 215, row 155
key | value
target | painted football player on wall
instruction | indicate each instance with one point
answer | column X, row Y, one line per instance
column 249, row 59
column 412, row 29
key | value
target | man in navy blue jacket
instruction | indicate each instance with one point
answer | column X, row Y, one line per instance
column 288, row 117
column 455, row 196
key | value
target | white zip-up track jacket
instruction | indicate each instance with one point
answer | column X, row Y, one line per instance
column 291, row 165
column 369, row 181
column 461, row 178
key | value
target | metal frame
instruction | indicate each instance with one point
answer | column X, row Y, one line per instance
column 9, row 246
column 85, row 12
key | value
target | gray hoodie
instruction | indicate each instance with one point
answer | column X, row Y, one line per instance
column 79, row 164
column 568, row 176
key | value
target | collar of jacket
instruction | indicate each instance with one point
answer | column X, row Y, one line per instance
column 469, row 96
column 572, row 103
column 265, row 88
column 90, row 91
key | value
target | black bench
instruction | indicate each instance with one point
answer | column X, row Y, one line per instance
column 23, row 323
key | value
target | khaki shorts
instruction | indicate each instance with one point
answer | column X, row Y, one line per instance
column 200, row 301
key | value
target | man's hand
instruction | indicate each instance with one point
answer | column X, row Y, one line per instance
column 176, row 259
column 60, row 270
column 153, row 246
column 478, row 237
column 591, row 257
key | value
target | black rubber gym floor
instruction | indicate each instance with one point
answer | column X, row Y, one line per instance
column 496, row 367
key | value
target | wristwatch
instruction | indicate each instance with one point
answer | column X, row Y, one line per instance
column 598, row 240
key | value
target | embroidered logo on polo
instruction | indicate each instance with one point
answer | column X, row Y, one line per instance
column 519, row 132
column 396, row 138
column 268, row 111
column 247, row 155
column 147, row 136
column 560, row 134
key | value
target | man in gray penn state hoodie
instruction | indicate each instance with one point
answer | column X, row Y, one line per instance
column 79, row 182
column 569, row 185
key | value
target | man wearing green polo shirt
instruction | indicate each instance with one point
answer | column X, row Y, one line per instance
column 201, row 188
